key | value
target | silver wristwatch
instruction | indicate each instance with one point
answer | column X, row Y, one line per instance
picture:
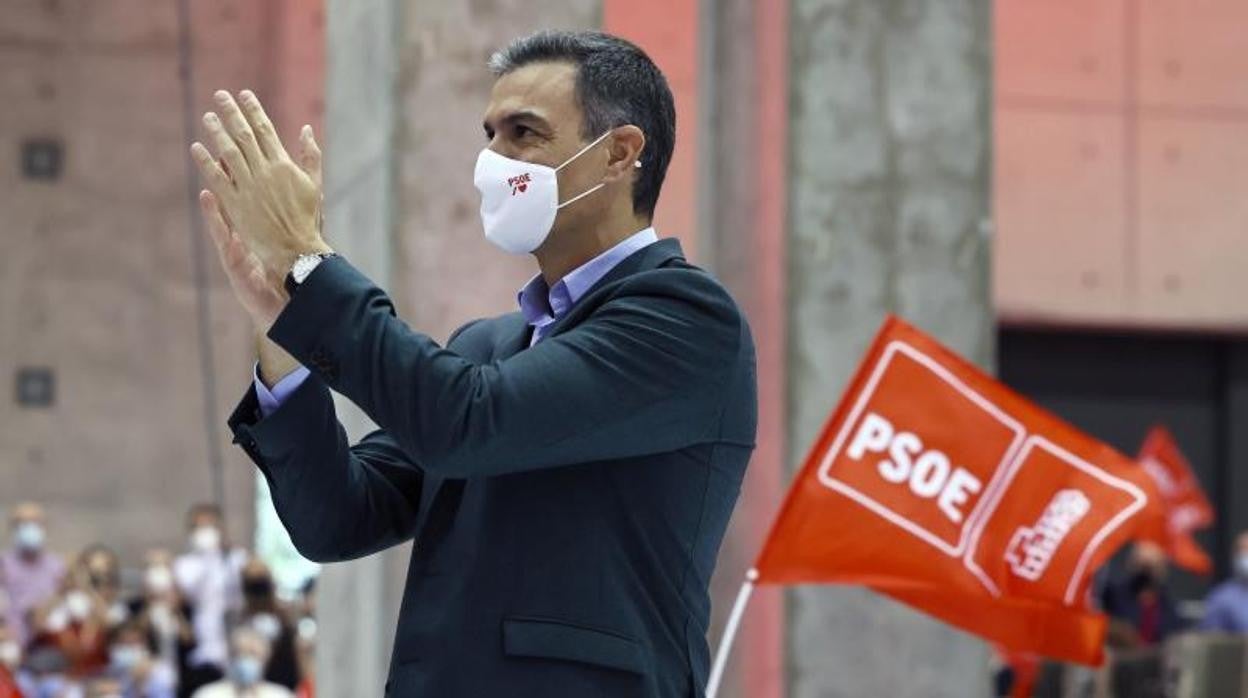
column 302, row 268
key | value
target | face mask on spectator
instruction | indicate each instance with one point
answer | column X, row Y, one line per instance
column 118, row 613
column 307, row 629
column 267, row 625
column 206, row 539
column 126, row 657
column 10, row 655
column 159, row 580
column 29, row 536
column 78, row 604
column 246, row 671
column 57, row 620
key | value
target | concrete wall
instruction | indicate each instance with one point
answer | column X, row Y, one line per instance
column 96, row 281
column 890, row 142
column 745, row 67
column 357, row 602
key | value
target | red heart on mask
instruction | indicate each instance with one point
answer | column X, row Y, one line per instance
column 522, row 187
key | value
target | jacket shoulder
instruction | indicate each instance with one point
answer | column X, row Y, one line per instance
column 478, row 338
column 688, row 284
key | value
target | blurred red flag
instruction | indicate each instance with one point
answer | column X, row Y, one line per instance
column 940, row 487
column 1182, row 503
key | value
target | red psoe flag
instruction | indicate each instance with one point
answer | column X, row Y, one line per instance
column 937, row 485
column 1183, row 503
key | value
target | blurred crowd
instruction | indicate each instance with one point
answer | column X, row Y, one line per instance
column 204, row 623
column 1143, row 611
column 1146, row 631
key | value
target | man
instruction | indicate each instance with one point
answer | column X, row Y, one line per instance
column 1142, row 612
column 29, row 574
column 566, row 471
column 207, row 576
column 250, row 653
column 1226, row 609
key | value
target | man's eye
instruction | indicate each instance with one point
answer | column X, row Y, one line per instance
column 522, row 131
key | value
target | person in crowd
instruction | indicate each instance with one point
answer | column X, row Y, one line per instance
column 1226, row 609
column 103, row 571
column 75, row 624
column 29, row 573
column 1141, row 610
column 250, row 653
column 132, row 664
column 14, row 681
column 163, row 616
column 207, row 576
column 264, row 614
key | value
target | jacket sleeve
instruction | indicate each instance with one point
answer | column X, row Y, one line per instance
column 644, row 373
column 338, row 502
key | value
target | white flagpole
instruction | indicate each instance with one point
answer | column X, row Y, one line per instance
column 730, row 632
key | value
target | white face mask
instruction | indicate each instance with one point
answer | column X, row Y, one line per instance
column 206, row 539
column 1241, row 566
column 247, row 671
column 519, row 200
column 127, row 657
column 57, row 620
column 10, row 655
column 78, row 604
column 29, row 536
column 159, row 580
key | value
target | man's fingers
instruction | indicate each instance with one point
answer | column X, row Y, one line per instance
column 239, row 263
column 238, row 129
column 218, row 229
column 227, row 149
column 215, row 176
column 310, row 155
column 262, row 126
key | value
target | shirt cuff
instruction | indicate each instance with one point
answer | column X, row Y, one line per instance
column 270, row 400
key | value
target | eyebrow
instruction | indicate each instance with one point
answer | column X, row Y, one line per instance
column 522, row 115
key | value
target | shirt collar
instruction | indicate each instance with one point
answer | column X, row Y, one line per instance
column 541, row 304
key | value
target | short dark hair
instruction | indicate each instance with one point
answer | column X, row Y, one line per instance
column 616, row 84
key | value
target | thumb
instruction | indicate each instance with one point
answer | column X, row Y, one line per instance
column 310, row 155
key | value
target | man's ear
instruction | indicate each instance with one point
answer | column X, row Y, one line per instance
column 625, row 152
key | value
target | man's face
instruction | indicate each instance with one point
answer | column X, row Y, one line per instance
column 533, row 116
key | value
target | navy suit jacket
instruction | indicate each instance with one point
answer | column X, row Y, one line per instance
column 567, row 500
